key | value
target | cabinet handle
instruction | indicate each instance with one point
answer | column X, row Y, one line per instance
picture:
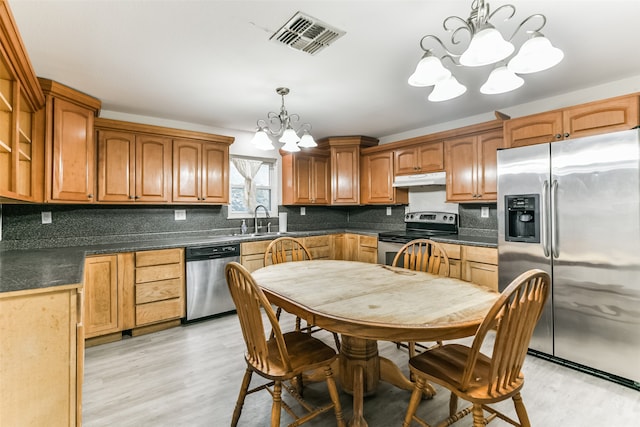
column 558, row 136
column 90, row 196
column 131, row 197
column 136, row 197
column 566, row 135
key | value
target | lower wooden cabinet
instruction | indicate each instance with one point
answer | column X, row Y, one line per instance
column 159, row 286
column 474, row 264
column 41, row 357
column 252, row 254
column 355, row 247
column 132, row 290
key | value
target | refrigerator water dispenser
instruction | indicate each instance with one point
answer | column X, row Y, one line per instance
column 522, row 220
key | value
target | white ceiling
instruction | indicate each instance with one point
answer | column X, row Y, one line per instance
column 211, row 62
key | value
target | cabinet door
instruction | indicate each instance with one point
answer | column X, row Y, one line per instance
column 487, row 179
column 215, row 173
column 41, row 363
column 377, row 178
column 345, row 175
column 405, row 161
column 430, row 157
column 73, row 153
column 534, row 129
column 116, row 166
column 337, row 246
column 101, row 311
column 601, row 117
column 153, row 168
column 367, row 249
column 461, row 163
column 351, row 247
column 480, row 274
column 187, row 170
column 320, row 180
column 302, row 179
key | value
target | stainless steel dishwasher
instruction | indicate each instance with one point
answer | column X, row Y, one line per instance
column 207, row 292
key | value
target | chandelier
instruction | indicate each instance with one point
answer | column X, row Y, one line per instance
column 486, row 46
column 280, row 125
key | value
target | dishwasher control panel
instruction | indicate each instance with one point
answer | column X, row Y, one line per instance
column 211, row 252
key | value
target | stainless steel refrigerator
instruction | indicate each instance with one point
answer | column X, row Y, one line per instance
column 572, row 208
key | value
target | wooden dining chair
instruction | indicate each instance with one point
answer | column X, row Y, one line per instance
column 480, row 379
column 280, row 358
column 422, row 255
column 289, row 249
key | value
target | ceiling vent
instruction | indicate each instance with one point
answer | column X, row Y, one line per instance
column 305, row 33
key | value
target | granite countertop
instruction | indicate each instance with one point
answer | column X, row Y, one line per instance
column 41, row 268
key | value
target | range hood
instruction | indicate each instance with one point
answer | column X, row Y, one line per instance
column 418, row 180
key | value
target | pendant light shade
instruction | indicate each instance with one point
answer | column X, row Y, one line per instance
column 446, row 89
column 307, row 141
column 536, row 54
column 262, row 141
column 487, row 47
column 501, row 80
column 429, row 71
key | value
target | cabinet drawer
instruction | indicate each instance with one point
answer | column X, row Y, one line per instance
column 159, row 272
column 315, row 241
column 452, row 251
column 158, row 291
column 163, row 256
column 481, row 254
column 159, row 311
column 369, row 241
column 250, row 248
column 323, row 252
column 480, row 274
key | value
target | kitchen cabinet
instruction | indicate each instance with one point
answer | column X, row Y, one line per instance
column 153, row 164
column 159, row 287
column 133, row 168
column 471, row 166
column 305, row 178
column 376, row 180
column 21, row 133
column 345, row 167
column 42, row 357
column 200, row 172
column 252, row 254
column 69, row 144
column 476, row 264
column 420, row 158
column 319, row 246
column 609, row 115
column 355, row 247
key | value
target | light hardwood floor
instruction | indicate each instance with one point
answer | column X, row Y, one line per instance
column 190, row 376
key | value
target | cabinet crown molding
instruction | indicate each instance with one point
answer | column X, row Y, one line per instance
column 58, row 90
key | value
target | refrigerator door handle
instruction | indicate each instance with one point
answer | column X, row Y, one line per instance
column 555, row 250
column 544, row 217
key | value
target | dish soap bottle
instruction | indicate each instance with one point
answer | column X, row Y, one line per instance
column 243, row 227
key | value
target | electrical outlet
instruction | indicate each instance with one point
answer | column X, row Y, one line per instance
column 484, row 212
column 46, row 217
column 180, row 214
column 303, row 210
column 389, row 210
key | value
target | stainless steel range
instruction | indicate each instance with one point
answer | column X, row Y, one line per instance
column 418, row 225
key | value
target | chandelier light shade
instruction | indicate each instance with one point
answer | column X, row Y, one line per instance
column 486, row 46
column 281, row 125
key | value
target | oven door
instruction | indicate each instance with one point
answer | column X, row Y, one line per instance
column 387, row 251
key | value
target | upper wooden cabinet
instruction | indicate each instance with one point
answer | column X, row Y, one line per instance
column 471, row 167
column 69, row 144
column 200, row 172
column 152, row 164
column 345, row 167
column 420, row 158
column 594, row 118
column 133, row 168
column 376, row 180
column 305, row 178
column 21, row 138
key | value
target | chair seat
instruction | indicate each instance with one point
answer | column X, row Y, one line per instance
column 306, row 353
column 445, row 365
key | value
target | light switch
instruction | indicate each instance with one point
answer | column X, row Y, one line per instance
column 180, row 214
column 46, row 217
column 303, row 210
column 484, row 212
column 389, row 210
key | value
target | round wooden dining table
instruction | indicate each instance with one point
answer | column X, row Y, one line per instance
column 366, row 303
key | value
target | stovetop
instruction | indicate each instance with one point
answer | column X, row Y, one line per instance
column 423, row 225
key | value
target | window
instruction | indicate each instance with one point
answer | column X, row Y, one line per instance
column 243, row 198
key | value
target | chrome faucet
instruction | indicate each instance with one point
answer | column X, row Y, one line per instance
column 255, row 217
